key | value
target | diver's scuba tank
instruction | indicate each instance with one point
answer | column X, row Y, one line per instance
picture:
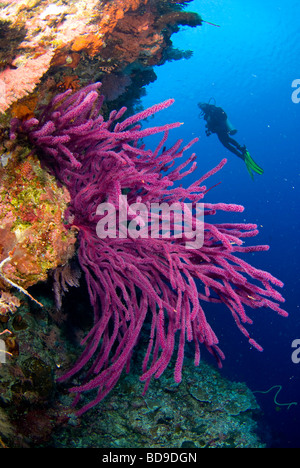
column 230, row 128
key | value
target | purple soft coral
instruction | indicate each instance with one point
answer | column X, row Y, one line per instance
column 130, row 279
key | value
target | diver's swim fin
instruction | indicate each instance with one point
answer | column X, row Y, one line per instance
column 251, row 165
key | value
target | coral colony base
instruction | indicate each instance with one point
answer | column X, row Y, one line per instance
column 131, row 279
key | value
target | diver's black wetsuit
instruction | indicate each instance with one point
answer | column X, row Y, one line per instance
column 217, row 122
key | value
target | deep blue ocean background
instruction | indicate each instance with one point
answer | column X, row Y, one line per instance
column 248, row 65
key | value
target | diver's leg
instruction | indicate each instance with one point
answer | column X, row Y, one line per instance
column 241, row 152
column 241, row 149
column 250, row 163
column 231, row 145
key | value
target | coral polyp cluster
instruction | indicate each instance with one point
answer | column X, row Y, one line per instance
column 33, row 237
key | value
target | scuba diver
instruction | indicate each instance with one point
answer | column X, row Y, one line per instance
column 217, row 122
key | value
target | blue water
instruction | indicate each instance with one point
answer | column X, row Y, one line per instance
column 248, row 66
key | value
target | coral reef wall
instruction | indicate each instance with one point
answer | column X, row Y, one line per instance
column 47, row 45
column 32, row 233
